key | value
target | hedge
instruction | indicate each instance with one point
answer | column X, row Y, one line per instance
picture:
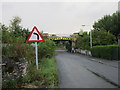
column 111, row 52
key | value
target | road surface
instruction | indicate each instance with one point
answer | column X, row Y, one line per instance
column 77, row 71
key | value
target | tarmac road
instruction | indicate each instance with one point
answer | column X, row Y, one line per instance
column 74, row 73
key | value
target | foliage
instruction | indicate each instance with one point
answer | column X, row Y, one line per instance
column 27, row 51
column 103, row 32
column 83, row 41
column 49, row 72
column 14, row 47
column 14, row 33
column 68, row 46
column 46, row 49
column 18, row 51
column 102, row 37
column 9, row 37
column 106, row 51
column 9, row 82
column 98, row 38
column 109, row 23
column 31, row 75
column 44, row 77
column 6, row 35
column 61, row 44
column 16, row 29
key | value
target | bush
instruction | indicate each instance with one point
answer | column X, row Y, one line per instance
column 18, row 51
column 9, row 83
column 46, row 49
column 26, row 79
column 32, row 77
column 27, row 51
column 111, row 52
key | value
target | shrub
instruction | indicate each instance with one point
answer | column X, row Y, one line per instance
column 18, row 51
column 44, row 77
column 26, row 78
column 37, row 83
column 111, row 52
column 46, row 49
column 9, row 83
column 27, row 51
column 32, row 73
column 68, row 46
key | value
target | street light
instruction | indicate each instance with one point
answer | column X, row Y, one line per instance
column 90, row 35
column 83, row 26
column 91, row 38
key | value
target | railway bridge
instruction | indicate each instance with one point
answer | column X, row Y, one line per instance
column 64, row 38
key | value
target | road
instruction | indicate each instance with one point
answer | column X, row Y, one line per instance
column 79, row 71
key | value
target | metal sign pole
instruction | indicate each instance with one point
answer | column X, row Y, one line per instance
column 36, row 50
column 35, row 36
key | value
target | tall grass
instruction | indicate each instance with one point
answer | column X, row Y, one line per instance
column 49, row 72
column 45, row 77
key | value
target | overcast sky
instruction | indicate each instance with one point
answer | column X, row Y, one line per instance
column 57, row 17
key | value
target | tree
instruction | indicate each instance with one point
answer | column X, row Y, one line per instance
column 16, row 29
column 109, row 23
column 82, row 41
column 102, row 37
column 25, row 32
column 6, row 35
column 81, row 32
column 14, row 33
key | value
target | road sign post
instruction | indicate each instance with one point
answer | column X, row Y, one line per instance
column 36, row 51
column 35, row 36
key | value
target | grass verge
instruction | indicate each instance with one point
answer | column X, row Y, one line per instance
column 45, row 77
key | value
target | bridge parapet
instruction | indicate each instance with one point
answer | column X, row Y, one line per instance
column 60, row 38
column 70, row 38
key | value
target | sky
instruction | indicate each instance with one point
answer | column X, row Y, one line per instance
column 57, row 17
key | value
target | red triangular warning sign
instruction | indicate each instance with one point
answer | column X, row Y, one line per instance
column 35, row 36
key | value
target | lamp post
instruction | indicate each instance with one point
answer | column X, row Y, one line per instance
column 90, row 35
column 83, row 25
column 91, row 38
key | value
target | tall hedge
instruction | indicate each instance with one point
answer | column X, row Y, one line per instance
column 111, row 52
